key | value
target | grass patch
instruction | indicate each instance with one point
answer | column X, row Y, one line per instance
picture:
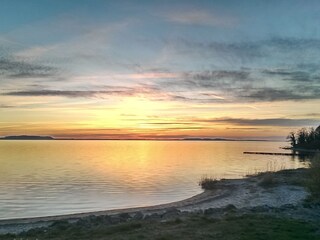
column 271, row 167
column 208, row 183
column 248, row 227
column 314, row 178
column 268, row 176
column 268, row 180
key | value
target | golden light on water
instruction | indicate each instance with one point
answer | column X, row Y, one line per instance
column 61, row 177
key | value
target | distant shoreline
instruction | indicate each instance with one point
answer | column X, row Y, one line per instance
column 45, row 138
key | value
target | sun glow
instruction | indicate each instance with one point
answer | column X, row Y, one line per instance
column 131, row 112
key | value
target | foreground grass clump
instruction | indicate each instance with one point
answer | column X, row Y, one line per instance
column 268, row 176
column 248, row 227
column 268, row 180
column 208, row 183
column 314, row 178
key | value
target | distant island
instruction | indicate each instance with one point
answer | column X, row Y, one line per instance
column 219, row 139
column 27, row 137
column 32, row 137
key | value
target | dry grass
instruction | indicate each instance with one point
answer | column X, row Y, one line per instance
column 314, row 178
column 268, row 180
column 208, row 183
column 272, row 166
column 231, row 227
column 267, row 176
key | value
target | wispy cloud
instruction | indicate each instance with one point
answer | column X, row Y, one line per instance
column 71, row 93
column 274, row 94
column 21, row 69
column 142, row 90
column 6, row 106
column 292, row 75
column 248, row 85
column 33, row 52
column 284, row 122
column 200, row 17
column 275, row 50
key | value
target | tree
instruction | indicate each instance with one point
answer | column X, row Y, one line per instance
column 292, row 139
column 305, row 138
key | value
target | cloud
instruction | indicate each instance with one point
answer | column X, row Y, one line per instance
column 243, row 128
column 6, row 106
column 275, row 50
column 217, row 75
column 204, row 82
column 33, row 52
column 292, row 75
column 21, row 69
column 70, row 94
column 283, row 122
column 170, row 123
column 246, row 85
column 81, row 42
column 269, row 94
column 211, row 85
column 225, row 52
column 142, row 90
column 200, row 17
column 216, row 79
column 307, row 115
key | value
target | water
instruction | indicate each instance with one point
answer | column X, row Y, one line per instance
column 43, row 178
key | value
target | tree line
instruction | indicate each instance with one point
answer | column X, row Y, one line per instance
column 305, row 138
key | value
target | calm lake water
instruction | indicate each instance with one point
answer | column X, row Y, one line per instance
column 42, row 178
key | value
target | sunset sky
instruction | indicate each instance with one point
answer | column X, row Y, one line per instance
column 159, row 69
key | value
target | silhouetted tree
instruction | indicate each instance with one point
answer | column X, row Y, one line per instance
column 305, row 138
column 292, row 139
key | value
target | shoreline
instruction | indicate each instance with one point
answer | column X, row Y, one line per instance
column 244, row 193
column 75, row 216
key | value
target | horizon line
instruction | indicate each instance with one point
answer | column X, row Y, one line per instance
column 48, row 137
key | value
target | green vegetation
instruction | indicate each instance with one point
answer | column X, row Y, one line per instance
column 231, row 227
column 314, row 178
column 208, row 183
column 305, row 138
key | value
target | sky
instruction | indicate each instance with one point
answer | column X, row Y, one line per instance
column 159, row 69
